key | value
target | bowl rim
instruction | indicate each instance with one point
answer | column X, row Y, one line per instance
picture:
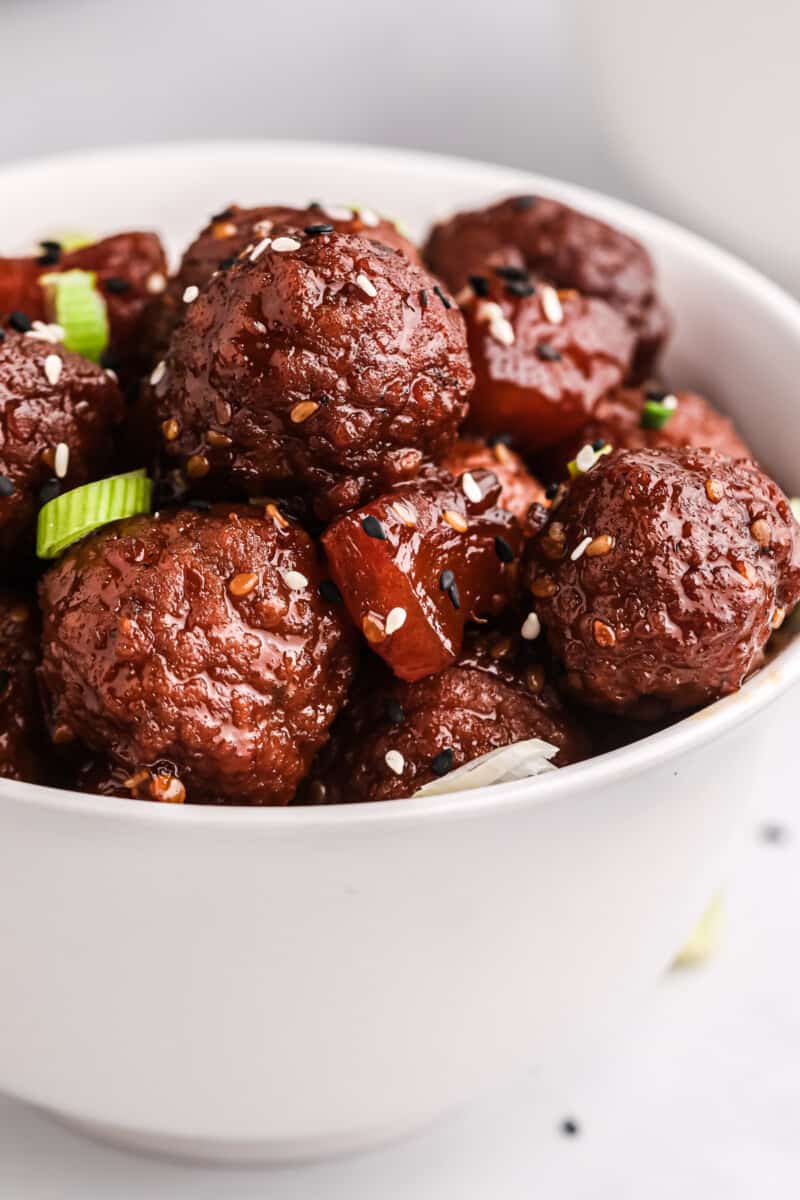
column 692, row 732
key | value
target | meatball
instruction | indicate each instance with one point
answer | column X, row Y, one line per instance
column 131, row 273
column 542, row 361
column 21, row 727
column 57, row 417
column 571, row 249
column 199, row 639
column 416, row 564
column 322, row 364
column 620, row 420
column 395, row 737
column 660, row 577
column 518, row 488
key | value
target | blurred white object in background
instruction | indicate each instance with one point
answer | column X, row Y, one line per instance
column 700, row 100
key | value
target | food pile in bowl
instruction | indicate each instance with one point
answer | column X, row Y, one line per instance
column 327, row 518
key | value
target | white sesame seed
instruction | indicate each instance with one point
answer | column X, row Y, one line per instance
column 284, row 244
column 156, row 283
column 395, row 761
column 580, row 549
column 368, row 217
column 295, row 580
column 53, row 366
column 502, row 331
column 262, row 228
column 61, row 460
column 487, row 310
column 670, row 402
column 158, row 373
column 259, row 327
column 551, row 305
column 112, row 375
column 531, row 627
column 395, row 620
column 257, row 251
column 337, row 212
column 366, row 285
column 191, row 294
column 43, row 332
column 463, row 297
column 471, row 488
column 586, row 458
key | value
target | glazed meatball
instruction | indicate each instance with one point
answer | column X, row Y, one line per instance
column 323, row 364
column 395, row 737
column 542, row 361
column 131, row 273
column 199, row 639
column 660, row 577
column 21, row 728
column 57, row 417
column 518, row 488
column 620, row 420
column 569, row 248
column 417, row 564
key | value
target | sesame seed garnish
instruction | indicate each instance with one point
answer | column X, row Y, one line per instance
column 53, row 366
column 715, row 490
column 445, row 299
column 503, row 332
column 551, row 491
column 761, row 531
column 456, row 520
column 581, row 548
column 295, row 580
column 519, row 288
column 442, row 762
column 471, row 488
column 778, row 618
column 41, row 331
column 503, row 550
column 336, row 212
column 243, row 584
column 531, row 627
column 513, row 274
column 570, row 1128
column 112, row 375
column 197, row 466
column 600, row 545
column 170, row 429
column 316, row 230
column 368, row 217
column 158, row 373
column 423, row 298
column 49, row 490
column 285, row 245
column 603, row 634
column 20, row 321
column 521, row 203
column 262, row 227
column 547, row 352
column 257, row 250
column 373, row 528
column 277, row 516
column 503, row 454
column 330, row 592
column 395, row 620
column 446, row 580
column 586, row 458
column 226, row 264
column 365, row 283
column 156, row 283
column 191, row 293
column 302, row 411
column 551, row 305
column 394, row 712
column 488, row 310
column 405, row 512
column 372, row 626
column 395, row 761
column 479, row 285
column 6, row 486
column 116, row 286
column 61, row 460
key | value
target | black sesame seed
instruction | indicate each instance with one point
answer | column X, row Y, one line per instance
column 6, row 486
column 445, row 299
column 116, row 286
column 223, row 216
column 324, row 398
column 773, row 833
column 503, row 550
column 5, row 679
column 423, row 298
column 515, row 274
column 330, row 592
column 110, row 361
column 570, row 1128
column 547, row 352
column 2, row 335
column 394, row 712
column 226, row 263
column 479, row 285
column 49, row 257
column 551, row 491
column 598, row 444
column 446, row 580
column 49, row 245
column 520, row 203
column 454, row 594
column 518, row 287
column 20, row 322
column 657, row 395
column 373, row 528
column 316, row 230
column 501, row 439
column 49, row 490
column 200, row 505
column 442, row 762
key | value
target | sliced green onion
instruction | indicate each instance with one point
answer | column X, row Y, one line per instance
column 657, row 410
column 80, row 310
column 586, row 458
column 69, row 517
column 705, row 937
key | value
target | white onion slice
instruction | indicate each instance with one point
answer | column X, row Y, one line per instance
column 521, row 760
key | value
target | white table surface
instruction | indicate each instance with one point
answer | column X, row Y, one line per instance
column 701, row 1101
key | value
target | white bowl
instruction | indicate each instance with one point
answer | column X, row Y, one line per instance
column 241, row 983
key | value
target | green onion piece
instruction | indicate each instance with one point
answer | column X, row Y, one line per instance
column 586, row 459
column 656, row 413
column 69, row 517
column 80, row 310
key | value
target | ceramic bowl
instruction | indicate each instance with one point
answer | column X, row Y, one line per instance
column 280, row 984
